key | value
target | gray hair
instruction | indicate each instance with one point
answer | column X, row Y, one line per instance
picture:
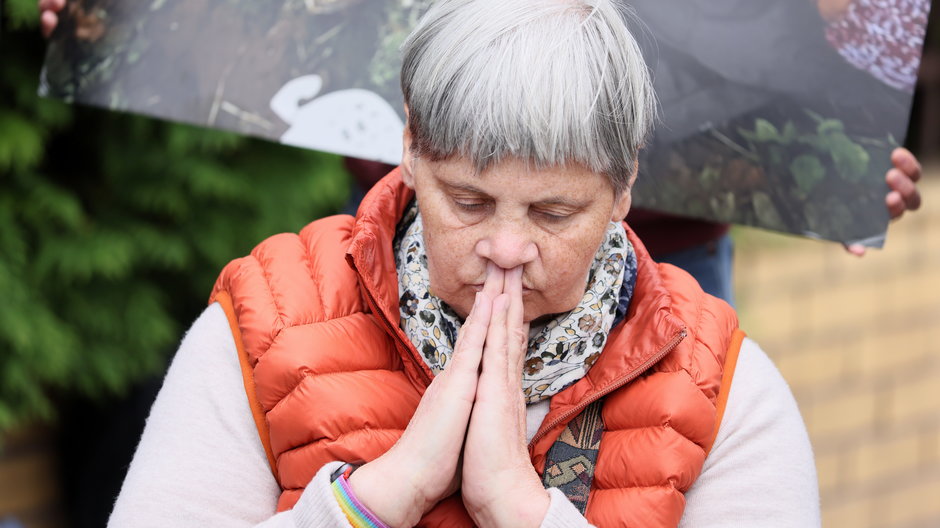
column 549, row 81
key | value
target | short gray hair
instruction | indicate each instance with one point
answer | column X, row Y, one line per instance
column 549, row 81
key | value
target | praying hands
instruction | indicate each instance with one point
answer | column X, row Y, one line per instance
column 468, row 432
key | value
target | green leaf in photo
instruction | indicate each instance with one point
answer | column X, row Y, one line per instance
column 830, row 126
column 850, row 158
column 765, row 131
column 789, row 133
column 766, row 212
column 807, row 172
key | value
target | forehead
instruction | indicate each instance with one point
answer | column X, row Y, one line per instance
column 518, row 178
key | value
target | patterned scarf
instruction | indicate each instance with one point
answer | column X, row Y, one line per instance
column 560, row 352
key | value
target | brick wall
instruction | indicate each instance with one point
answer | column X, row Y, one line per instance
column 858, row 340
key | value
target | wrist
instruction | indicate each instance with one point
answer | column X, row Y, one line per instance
column 401, row 505
column 357, row 514
column 522, row 506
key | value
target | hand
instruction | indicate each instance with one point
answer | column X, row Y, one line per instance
column 903, row 196
column 425, row 462
column 49, row 15
column 500, row 486
column 903, row 180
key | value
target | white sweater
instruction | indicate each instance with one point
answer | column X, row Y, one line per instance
column 200, row 462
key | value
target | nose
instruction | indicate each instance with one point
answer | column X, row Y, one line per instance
column 507, row 247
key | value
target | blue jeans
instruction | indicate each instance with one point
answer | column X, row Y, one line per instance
column 711, row 265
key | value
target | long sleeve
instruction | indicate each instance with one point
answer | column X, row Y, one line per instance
column 200, row 461
column 760, row 471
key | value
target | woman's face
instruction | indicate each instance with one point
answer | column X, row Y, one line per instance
column 549, row 221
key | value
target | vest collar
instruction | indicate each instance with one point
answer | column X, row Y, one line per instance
column 370, row 256
column 648, row 332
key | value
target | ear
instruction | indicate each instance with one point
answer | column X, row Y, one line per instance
column 623, row 200
column 407, row 160
column 621, row 206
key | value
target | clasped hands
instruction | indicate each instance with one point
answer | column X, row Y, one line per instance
column 468, row 431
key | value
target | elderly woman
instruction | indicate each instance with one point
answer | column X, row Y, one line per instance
column 486, row 342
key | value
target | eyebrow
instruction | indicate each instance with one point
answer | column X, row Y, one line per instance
column 551, row 200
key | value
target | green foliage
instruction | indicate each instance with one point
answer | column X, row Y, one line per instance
column 21, row 14
column 809, row 164
column 781, row 167
column 113, row 228
column 850, row 158
column 22, row 145
column 807, row 171
column 807, row 154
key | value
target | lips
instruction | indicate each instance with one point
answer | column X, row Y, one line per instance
column 479, row 288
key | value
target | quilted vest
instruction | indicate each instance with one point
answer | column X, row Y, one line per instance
column 329, row 374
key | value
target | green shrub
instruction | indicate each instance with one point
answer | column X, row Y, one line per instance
column 113, row 228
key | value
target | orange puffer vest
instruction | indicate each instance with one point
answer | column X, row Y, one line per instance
column 330, row 375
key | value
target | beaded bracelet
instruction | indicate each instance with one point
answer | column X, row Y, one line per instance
column 356, row 513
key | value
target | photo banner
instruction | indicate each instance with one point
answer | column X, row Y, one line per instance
column 779, row 115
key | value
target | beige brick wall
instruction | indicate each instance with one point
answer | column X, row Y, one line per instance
column 858, row 340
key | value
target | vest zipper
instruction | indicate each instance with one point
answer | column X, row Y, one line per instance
column 666, row 349
column 373, row 305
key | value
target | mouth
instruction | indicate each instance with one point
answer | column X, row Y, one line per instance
column 479, row 287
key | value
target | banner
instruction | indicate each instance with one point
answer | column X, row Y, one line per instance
column 774, row 114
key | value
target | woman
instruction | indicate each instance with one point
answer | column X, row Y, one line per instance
column 486, row 342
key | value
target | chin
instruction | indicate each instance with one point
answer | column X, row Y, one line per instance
column 541, row 314
column 463, row 305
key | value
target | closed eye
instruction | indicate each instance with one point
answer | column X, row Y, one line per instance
column 552, row 216
column 470, row 206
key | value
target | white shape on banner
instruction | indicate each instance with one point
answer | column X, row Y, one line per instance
column 352, row 122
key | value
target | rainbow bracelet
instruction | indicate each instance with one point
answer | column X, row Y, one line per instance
column 356, row 513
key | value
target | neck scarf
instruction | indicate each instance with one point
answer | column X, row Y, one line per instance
column 560, row 352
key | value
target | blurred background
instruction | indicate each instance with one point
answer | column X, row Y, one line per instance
column 113, row 228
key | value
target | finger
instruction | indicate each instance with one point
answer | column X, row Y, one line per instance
column 907, row 162
column 895, row 204
column 855, row 249
column 512, row 283
column 905, row 186
column 51, row 5
column 517, row 330
column 469, row 346
column 493, row 286
column 513, row 288
column 47, row 23
column 494, row 352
